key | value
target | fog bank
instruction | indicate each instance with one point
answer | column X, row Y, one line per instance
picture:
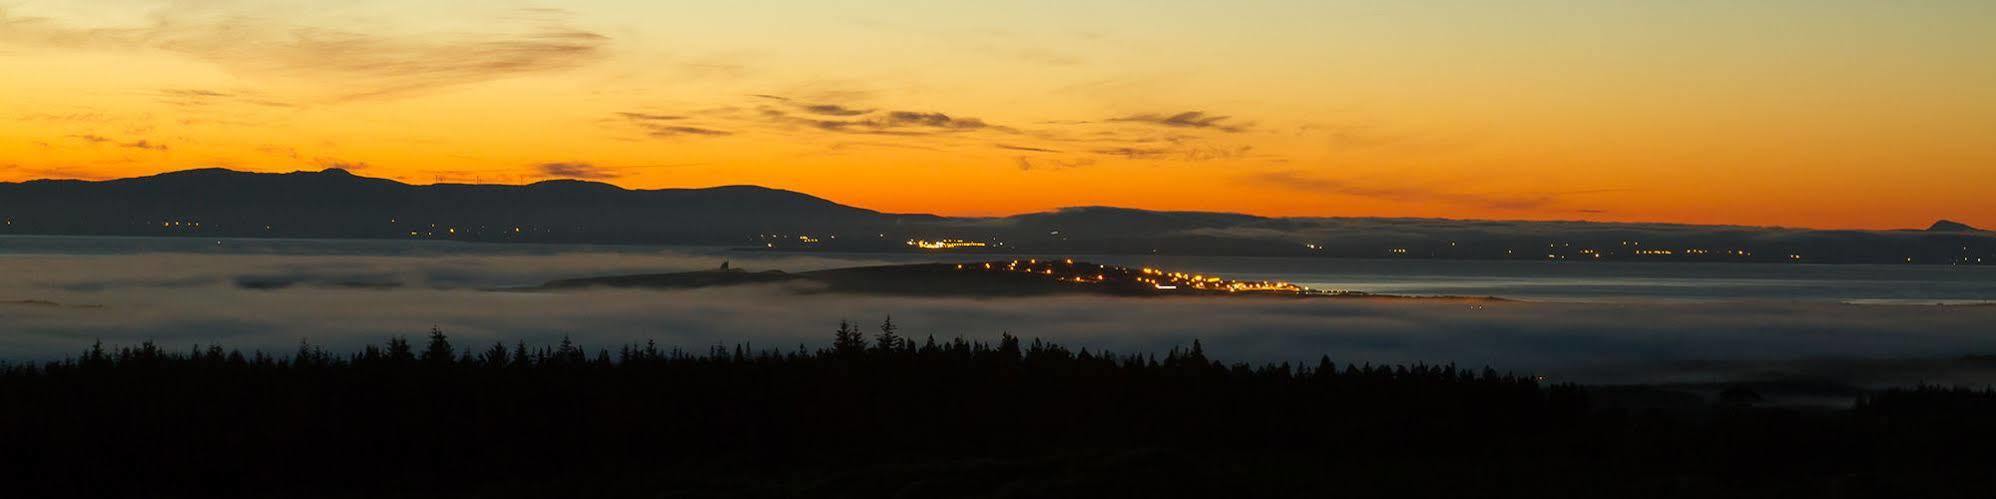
column 56, row 305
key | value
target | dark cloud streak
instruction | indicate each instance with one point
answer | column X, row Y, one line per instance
column 667, row 125
column 1390, row 192
column 835, row 110
column 1023, row 148
column 576, row 170
column 144, row 144
column 904, row 123
column 649, row 116
column 1188, row 119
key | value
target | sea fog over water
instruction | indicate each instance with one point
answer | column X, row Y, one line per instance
column 1582, row 321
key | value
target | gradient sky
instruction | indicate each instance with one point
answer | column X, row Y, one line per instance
column 1825, row 113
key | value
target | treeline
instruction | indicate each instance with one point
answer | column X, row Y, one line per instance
column 878, row 414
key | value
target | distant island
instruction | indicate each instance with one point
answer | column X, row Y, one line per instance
column 1019, row 277
column 335, row 203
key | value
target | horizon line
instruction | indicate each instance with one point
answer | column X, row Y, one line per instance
column 352, row 172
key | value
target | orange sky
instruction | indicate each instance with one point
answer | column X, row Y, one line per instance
column 1822, row 114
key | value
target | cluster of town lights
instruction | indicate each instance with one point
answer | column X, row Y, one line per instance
column 1067, row 270
column 945, row 244
column 1173, row 280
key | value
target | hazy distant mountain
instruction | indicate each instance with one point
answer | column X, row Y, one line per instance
column 335, row 203
column 1951, row 226
column 338, row 204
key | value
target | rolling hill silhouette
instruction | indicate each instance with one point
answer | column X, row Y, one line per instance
column 335, row 203
column 1951, row 226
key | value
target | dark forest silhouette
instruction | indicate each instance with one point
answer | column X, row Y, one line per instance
column 879, row 414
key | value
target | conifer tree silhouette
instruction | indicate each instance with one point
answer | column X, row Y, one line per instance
column 888, row 342
column 495, row 356
column 439, row 352
column 848, row 342
column 399, row 352
column 992, row 417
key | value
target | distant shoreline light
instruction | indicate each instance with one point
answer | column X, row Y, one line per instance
column 945, row 244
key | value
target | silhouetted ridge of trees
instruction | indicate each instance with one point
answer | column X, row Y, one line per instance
column 884, row 414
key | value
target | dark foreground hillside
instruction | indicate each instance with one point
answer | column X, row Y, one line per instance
column 882, row 416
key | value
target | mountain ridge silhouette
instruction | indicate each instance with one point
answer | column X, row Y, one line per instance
column 338, row 203
column 1945, row 225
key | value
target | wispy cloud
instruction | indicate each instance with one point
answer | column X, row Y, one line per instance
column 667, row 131
column 1134, row 152
column 193, row 93
column 1403, row 193
column 329, row 163
column 576, row 170
column 650, row 116
column 1029, row 164
column 835, row 110
column 1192, row 152
column 72, row 117
column 53, row 172
column 1188, row 119
column 1024, row 148
column 928, row 120
column 351, row 60
column 855, row 113
column 888, row 123
column 668, row 125
column 195, row 97
column 144, row 144
column 1207, row 152
column 136, row 144
column 817, row 114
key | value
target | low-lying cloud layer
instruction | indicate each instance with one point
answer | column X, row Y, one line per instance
column 272, row 301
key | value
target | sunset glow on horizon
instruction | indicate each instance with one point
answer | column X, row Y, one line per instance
column 1838, row 114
